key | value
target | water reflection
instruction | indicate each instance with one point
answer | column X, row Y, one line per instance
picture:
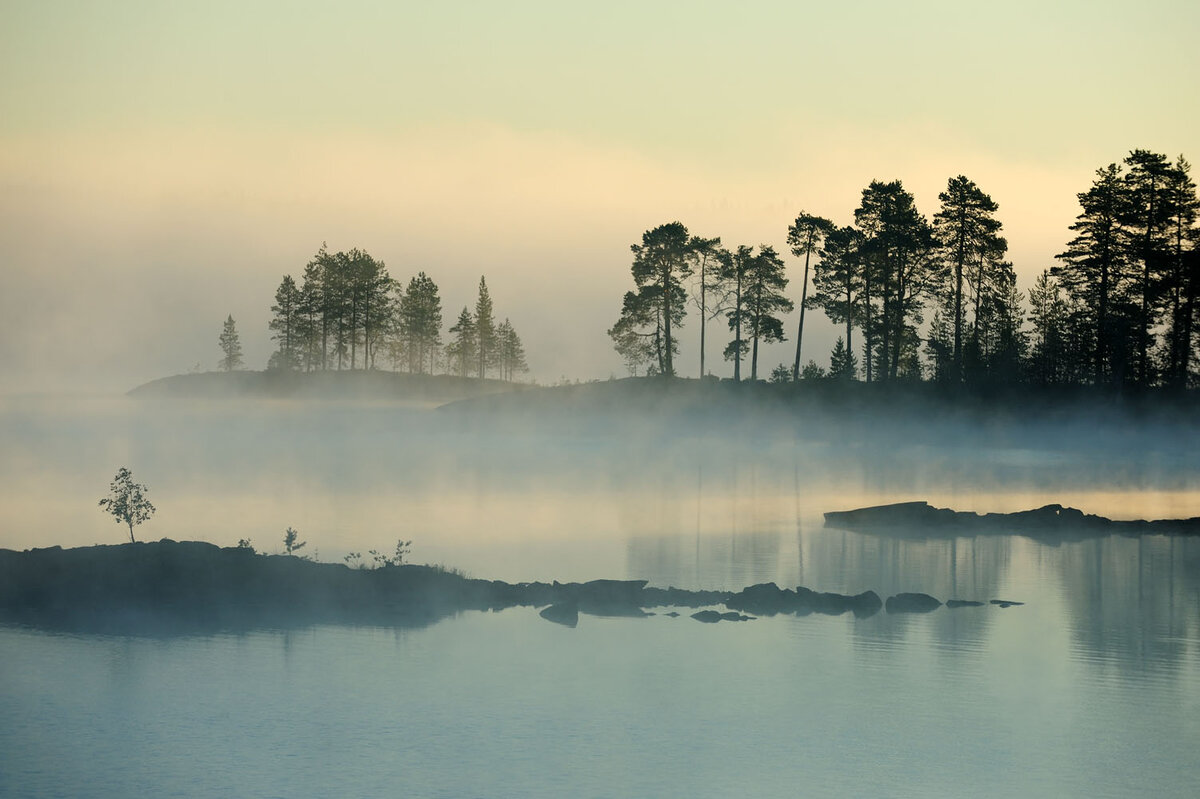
column 688, row 505
column 1133, row 601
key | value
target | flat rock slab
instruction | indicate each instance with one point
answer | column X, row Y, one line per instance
column 1050, row 522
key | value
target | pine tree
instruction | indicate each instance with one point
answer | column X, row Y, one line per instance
column 899, row 270
column 967, row 233
column 286, row 324
column 637, row 333
column 313, row 323
column 1145, row 214
column 838, row 280
column 512, row 352
column 231, row 346
column 765, row 299
column 805, row 236
column 735, row 267
column 461, row 351
column 419, row 323
column 660, row 264
column 1181, row 283
column 1094, row 270
column 710, row 292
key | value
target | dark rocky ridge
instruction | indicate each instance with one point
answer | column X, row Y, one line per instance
column 168, row 587
column 1051, row 522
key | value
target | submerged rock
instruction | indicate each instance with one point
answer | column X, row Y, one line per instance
column 714, row 616
column 605, row 597
column 1005, row 603
column 912, row 603
column 963, row 603
column 768, row 599
column 566, row 614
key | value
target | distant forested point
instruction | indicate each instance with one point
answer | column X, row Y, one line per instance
column 936, row 299
column 348, row 313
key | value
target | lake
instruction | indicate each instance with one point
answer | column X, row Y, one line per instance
column 1092, row 687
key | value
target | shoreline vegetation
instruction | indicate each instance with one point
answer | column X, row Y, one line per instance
column 682, row 393
column 183, row 587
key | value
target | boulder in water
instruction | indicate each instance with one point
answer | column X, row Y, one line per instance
column 565, row 613
column 912, row 603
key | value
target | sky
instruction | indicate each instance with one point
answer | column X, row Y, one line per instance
column 163, row 165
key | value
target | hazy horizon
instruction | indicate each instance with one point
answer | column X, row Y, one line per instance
column 163, row 167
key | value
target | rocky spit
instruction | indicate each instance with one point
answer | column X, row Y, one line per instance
column 186, row 587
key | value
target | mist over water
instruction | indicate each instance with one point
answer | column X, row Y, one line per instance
column 1089, row 688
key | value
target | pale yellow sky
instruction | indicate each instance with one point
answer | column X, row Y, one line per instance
column 163, row 165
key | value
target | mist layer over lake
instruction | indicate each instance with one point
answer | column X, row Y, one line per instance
column 1090, row 688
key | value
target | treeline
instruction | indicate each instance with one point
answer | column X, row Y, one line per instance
column 348, row 313
column 937, row 299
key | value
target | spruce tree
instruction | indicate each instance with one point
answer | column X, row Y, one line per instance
column 485, row 329
column 842, row 363
column 231, row 346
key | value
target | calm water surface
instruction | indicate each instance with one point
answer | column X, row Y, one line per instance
column 1092, row 688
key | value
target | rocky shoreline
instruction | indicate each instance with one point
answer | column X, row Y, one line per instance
column 169, row 587
column 1050, row 522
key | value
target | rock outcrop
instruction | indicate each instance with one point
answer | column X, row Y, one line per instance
column 1052, row 522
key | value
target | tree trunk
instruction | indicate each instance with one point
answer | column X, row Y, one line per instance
column 703, row 315
column 849, row 322
column 867, row 341
column 737, row 335
column 958, row 301
column 669, row 367
column 803, row 297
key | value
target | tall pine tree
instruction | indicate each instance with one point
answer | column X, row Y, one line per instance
column 805, row 236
